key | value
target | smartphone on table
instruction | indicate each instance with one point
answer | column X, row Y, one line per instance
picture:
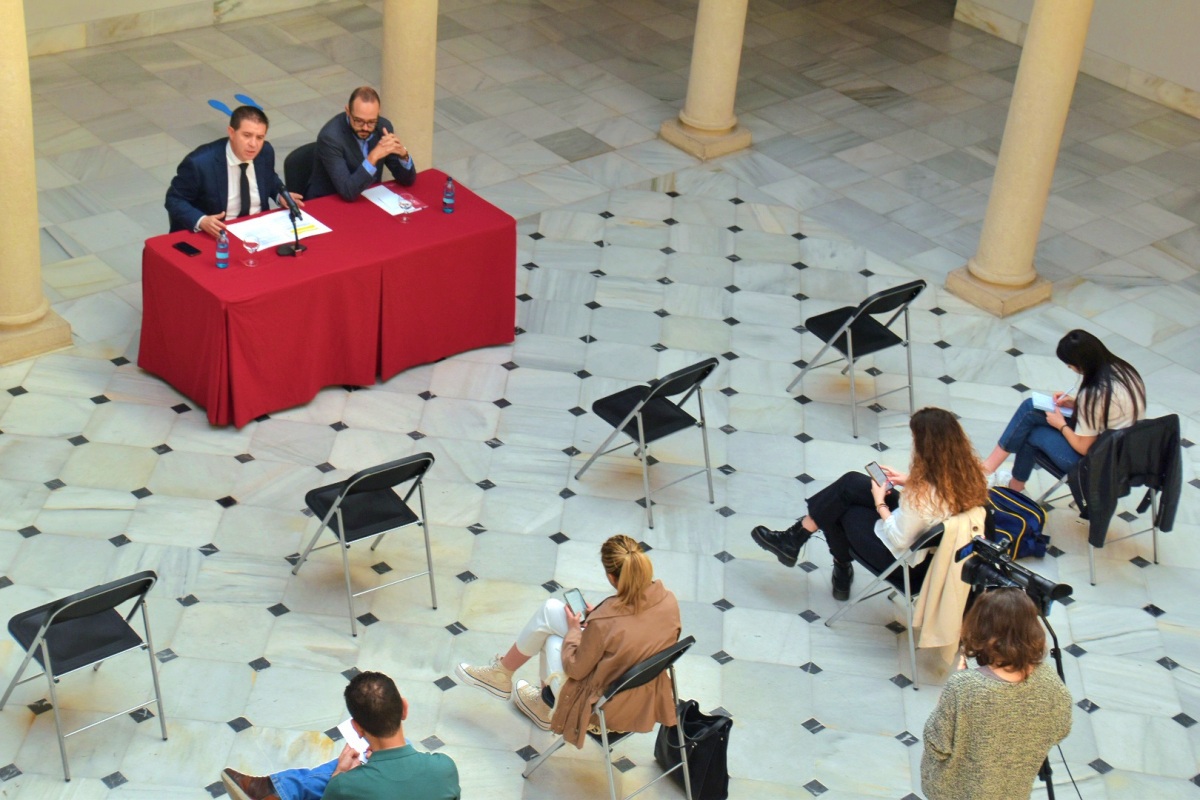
column 877, row 475
column 574, row 598
column 187, row 248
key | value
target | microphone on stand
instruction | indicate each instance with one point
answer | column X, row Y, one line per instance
column 295, row 214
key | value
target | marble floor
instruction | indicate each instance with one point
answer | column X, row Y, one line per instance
column 876, row 127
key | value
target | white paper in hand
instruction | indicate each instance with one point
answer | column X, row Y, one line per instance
column 1045, row 402
column 354, row 740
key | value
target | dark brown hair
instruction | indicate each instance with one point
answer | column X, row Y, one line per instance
column 242, row 113
column 1102, row 372
column 364, row 93
column 945, row 468
column 1002, row 630
column 623, row 558
column 375, row 704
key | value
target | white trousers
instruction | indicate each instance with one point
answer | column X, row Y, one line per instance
column 543, row 636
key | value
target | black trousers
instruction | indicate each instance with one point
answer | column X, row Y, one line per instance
column 845, row 511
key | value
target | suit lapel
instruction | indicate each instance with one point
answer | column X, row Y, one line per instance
column 220, row 178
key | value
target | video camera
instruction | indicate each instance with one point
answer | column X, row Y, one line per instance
column 988, row 565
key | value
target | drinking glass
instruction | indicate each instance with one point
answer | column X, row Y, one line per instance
column 406, row 207
column 251, row 245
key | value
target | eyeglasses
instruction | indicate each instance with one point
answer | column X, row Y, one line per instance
column 368, row 124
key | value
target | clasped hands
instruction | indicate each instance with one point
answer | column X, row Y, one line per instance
column 387, row 145
column 213, row 223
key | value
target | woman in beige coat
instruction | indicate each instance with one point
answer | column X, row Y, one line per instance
column 579, row 659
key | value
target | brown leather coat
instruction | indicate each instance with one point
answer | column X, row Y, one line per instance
column 614, row 640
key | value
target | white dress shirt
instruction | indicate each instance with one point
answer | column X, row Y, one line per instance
column 235, row 192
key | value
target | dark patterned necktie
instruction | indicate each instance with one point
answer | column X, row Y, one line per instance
column 244, row 189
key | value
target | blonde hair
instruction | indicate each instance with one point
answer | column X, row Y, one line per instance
column 623, row 558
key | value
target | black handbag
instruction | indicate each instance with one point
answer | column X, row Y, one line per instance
column 707, row 741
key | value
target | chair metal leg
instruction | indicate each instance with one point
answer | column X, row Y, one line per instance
column 850, row 367
column 1154, row 524
column 608, row 766
column 599, row 452
column 537, row 762
column 1092, row 565
column 16, row 679
column 428, row 548
column 1051, row 490
column 912, row 403
column 162, row 715
column 704, row 437
column 313, row 541
column 908, row 615
column 807, row 367
column 687, row 773
column 645, row 459
column 62, row 740
column 345, row 548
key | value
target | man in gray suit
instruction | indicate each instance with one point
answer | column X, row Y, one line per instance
column 353, row 148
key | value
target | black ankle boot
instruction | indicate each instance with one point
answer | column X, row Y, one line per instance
column 784, row 544
column 843, row 576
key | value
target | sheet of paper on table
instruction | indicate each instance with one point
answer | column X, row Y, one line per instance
column 276, row 228
column 391, row 202
column 354, row 740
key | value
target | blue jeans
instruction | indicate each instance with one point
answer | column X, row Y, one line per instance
column 1027, row 434
column 303, row 784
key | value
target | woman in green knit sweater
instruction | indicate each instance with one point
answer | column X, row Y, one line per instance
column 995, row 724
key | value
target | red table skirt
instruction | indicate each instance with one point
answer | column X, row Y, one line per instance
column 372, row 298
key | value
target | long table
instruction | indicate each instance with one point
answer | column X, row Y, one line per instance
column 373, row 298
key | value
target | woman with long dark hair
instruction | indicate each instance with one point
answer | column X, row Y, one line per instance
column 994, row 725
column 1111, row 396
column 944, row 480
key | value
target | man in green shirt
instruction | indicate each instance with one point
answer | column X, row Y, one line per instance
column 394, row 769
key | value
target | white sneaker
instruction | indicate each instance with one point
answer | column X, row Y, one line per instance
column 1001, row 478
column 528, row 698
column 493, row 678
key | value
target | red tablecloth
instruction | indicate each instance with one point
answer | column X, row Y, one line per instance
column 373, row 297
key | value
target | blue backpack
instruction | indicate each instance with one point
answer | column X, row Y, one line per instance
column 1017, row 523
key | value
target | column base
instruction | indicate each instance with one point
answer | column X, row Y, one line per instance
column 701, row 144
column 995, row 299
column 49, row 333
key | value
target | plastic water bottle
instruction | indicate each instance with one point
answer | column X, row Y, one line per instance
column 448, row 196
column 222, row 250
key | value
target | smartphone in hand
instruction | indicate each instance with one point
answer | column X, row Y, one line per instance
column 877, row 475
column 574, row 598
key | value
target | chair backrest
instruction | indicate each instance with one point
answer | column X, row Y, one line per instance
column 682, row 380
column 645, row 671
column 895, row 299
column 298, row 167
column 100, row 598
column 390, row 474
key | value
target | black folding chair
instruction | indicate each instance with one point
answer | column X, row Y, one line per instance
column 1137, row 436
column 80, row 631
column 905, row 575
column 639, row 674
column 366, row 505
column 854, row 332
column 298, row 167
column 646, row 414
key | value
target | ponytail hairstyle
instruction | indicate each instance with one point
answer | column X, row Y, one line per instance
column 630, row 568
column 1101, row 372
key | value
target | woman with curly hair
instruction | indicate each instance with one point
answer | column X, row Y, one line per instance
column 945, row 479
column 1111, row 395
column 995, row 724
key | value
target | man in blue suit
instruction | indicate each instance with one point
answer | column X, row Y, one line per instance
column 226, row 179
column 353, row 147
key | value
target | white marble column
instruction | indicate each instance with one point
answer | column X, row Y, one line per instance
column 409, row 69
column 27, row 325
column 1001, row 277
column 707, row 127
